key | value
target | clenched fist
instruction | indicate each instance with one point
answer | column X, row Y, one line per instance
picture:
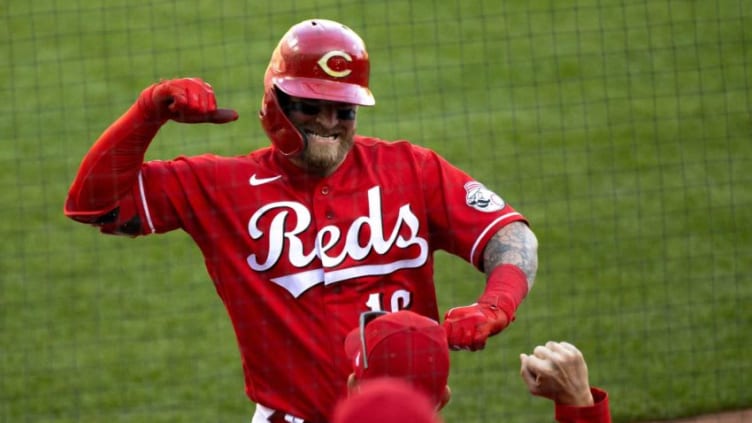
column 557, row 371
column 469, row 327
column 185, row 100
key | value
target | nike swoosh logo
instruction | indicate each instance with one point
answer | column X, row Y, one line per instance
column 254, row 181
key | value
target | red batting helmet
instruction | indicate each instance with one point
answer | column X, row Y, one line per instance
column 317, row 59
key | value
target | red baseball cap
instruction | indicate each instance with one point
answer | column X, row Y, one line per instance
column 404, row 345
column 386, row 400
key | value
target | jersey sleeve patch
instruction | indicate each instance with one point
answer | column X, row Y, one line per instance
column 481, row 198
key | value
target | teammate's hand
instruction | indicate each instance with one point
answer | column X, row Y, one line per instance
column 557, row 371
column 186, row 100
column 469, row 327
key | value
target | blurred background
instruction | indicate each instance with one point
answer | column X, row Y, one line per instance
column 620, row 128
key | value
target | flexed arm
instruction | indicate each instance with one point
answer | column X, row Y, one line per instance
column 110, row 168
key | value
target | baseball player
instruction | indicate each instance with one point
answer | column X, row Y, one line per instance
column 302, row 236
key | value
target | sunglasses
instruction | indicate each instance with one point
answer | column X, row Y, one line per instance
column 365, row 318
column 312, row 109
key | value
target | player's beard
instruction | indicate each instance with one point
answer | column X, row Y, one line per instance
column 325, row 157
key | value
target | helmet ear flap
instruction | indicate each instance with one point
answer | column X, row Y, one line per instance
column 273, row 115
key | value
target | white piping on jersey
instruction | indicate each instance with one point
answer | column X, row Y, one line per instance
column 485, row 231
column 298, row 283
column 144, row 203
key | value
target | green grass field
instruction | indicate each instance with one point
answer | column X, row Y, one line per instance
column 621, row 129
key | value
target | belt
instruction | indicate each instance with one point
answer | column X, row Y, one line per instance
column 281, row 417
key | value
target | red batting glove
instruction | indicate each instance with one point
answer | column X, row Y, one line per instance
column 185, row 100
column 469, row 327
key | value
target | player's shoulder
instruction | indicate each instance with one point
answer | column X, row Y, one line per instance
column 399, row 146
column 259, row 155
column 365, row 141
column 210, row 163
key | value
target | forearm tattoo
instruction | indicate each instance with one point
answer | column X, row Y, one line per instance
column 513, row 244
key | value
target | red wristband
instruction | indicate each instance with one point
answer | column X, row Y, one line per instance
column 506, row 288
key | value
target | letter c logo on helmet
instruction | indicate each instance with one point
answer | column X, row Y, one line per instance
column 317, row 59
column 324, row 63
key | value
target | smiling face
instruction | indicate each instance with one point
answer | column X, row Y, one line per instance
column 329, row 128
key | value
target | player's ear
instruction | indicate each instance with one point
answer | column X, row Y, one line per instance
column 445, row 397
column 352, row 383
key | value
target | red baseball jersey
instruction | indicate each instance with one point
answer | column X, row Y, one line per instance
column 296, row 258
